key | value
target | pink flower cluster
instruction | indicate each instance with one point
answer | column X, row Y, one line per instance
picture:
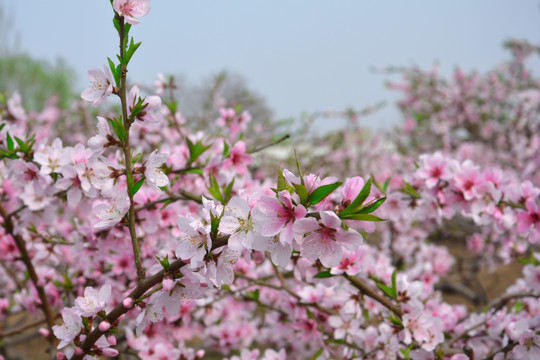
column 158, row 239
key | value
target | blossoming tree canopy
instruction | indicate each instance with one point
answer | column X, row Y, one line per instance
column 150, row 238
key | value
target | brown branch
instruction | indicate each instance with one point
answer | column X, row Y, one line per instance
column 127, row 156
column 372, row 293
column 22, row 328
column 260, row 148
column 25, row 257
column 136, row 294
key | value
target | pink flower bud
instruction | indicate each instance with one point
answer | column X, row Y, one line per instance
column 127, row 302
column 258, row 257
column 104, row 326
column 199, row 354
column 78, row 351
column 168, row 283
column 109, row 352
column 60, row 356
column 44, row 332
column 111, row 340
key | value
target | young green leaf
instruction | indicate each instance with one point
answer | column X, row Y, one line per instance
column 228, row 192
column 254, row 295
column 387, row 290
column 320, row 193
column 357, row 203
column 10, row 143
column 299, row 169
column 214, row 189
column 133, row 189
column 361, row 217
column 302, row 193
column 394, row 283
column 372, row 206
column 317, row 354
column 323, row 274
column 409, row 190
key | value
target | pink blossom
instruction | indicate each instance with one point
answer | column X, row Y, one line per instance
column 132, row 9
column 194, row 241
column 238, row 222
column 14, row 106
column 469, row 181
column 93, row 301
column 104, row 137
column 151, row 104
column 69, row 329
column 529, row 220
column 160, row 84
column 235, row 123
column 270, row 354
column 112, row 211
column 277, row 216
column 101, row 86
column 434, row 167
column 153, row 173
column 422, row 328
column 325, row 238
column 532, row 276
column 221, row 272
column 239, row 158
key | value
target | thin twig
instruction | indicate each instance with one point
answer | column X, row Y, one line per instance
column 260, row 148
column 372, row 293
column 25, row 256
column 136, row 294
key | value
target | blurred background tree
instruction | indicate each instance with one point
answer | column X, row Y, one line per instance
column 35, row 80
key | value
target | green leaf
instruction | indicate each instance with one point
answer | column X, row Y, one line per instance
column 164, row 261
column 214, row 224
column 226, row 150
column 394, row 283
column 112, row 66
column 116, row 24
column 228, row 192
column 193, row 171
column 406, row 351
column 409, row 190
column 302, row 192
column 127, row 27
column 119, row 129
column 317, row 354
column 21, row 143
column 214, row 189
column 299, row 169
column 387, row 290
column 361, row 217
column 133, row 189
column 10, row 143
column 136, row 158
column 282, row 183
column 386, row 183
column 254, row 295
column 320, row 193
column 196, row 150
column 372, row 206
column 323, row 274
column 118, row 73
column 530, row 260
column 131, row 50
column 518, row 306
column 395, row 320
column 360, row 198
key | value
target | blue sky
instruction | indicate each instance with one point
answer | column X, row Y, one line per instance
column 301, row 55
